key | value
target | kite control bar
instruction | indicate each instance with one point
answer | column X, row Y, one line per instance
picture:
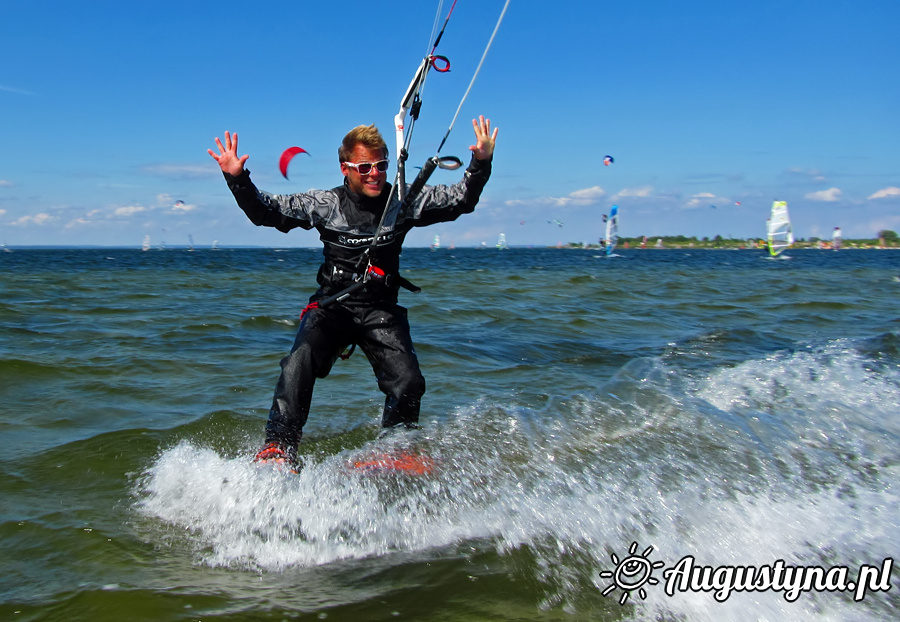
column 372, row 272
column 450, row 163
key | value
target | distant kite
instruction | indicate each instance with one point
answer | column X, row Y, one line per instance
column 608, row 160
column 286, row 157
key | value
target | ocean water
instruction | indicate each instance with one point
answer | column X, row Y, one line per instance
column 595, row 424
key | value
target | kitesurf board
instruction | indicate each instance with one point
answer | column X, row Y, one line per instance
column 405, row 462
column 395, row 461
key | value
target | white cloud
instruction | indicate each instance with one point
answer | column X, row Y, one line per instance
column 87, row 219
column 181, row 207
column 5, row 184
column 890, row 191
column 129, row 210
column 37, row 219
column 2, row 211
column 588, row 194
column 703, row 199
column 78, row 221
column 828, row 196
column 642, row 193
column 585, row 196
column 811, row 175
column 521, row 202
column 10, row 89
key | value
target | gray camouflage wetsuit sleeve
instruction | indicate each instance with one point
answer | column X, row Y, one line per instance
column 335, row 209
column 283, row 212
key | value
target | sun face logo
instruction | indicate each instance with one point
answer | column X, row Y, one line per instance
column 632, row 573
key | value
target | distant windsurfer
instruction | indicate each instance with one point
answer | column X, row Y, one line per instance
column 836, row 238
column 347, row 219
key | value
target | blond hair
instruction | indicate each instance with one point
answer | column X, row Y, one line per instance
column 366, row 135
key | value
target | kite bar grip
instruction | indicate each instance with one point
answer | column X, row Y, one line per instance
column 450, row 163
column 419, row 182
column 372, row 272
column 341, row 295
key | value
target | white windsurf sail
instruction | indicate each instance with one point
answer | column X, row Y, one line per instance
column 612, row 230
column 778, row 229
column 501, row 242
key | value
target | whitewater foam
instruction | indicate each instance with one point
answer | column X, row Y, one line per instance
column 790, row 457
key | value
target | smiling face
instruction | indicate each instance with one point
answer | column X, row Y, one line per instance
column 372, row 183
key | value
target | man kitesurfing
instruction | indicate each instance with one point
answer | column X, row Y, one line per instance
column 356, row 302
column 362, row 224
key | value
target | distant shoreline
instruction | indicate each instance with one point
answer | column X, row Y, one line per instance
column 594, row 247
column 736, row 247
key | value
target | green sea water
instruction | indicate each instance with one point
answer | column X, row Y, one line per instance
column 581, row 411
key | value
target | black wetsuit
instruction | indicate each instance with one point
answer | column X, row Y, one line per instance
column 370, row 318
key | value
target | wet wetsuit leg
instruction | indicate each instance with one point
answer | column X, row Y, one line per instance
column 387, row 343
column 322, row 336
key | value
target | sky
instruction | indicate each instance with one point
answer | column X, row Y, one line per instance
column 710, row 109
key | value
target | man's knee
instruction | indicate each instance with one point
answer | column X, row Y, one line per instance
column 403, row 381
column 414, row 386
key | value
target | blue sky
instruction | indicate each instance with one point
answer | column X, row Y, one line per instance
column 108, row 109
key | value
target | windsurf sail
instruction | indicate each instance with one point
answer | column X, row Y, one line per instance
column 612, row 230
column 778, row 229
column 501, row 242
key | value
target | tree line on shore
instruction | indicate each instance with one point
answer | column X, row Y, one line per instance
column 885, row 239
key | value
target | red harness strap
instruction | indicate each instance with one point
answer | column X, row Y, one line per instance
column 312, row 305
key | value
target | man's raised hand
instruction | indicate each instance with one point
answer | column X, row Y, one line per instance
column 227, row 157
